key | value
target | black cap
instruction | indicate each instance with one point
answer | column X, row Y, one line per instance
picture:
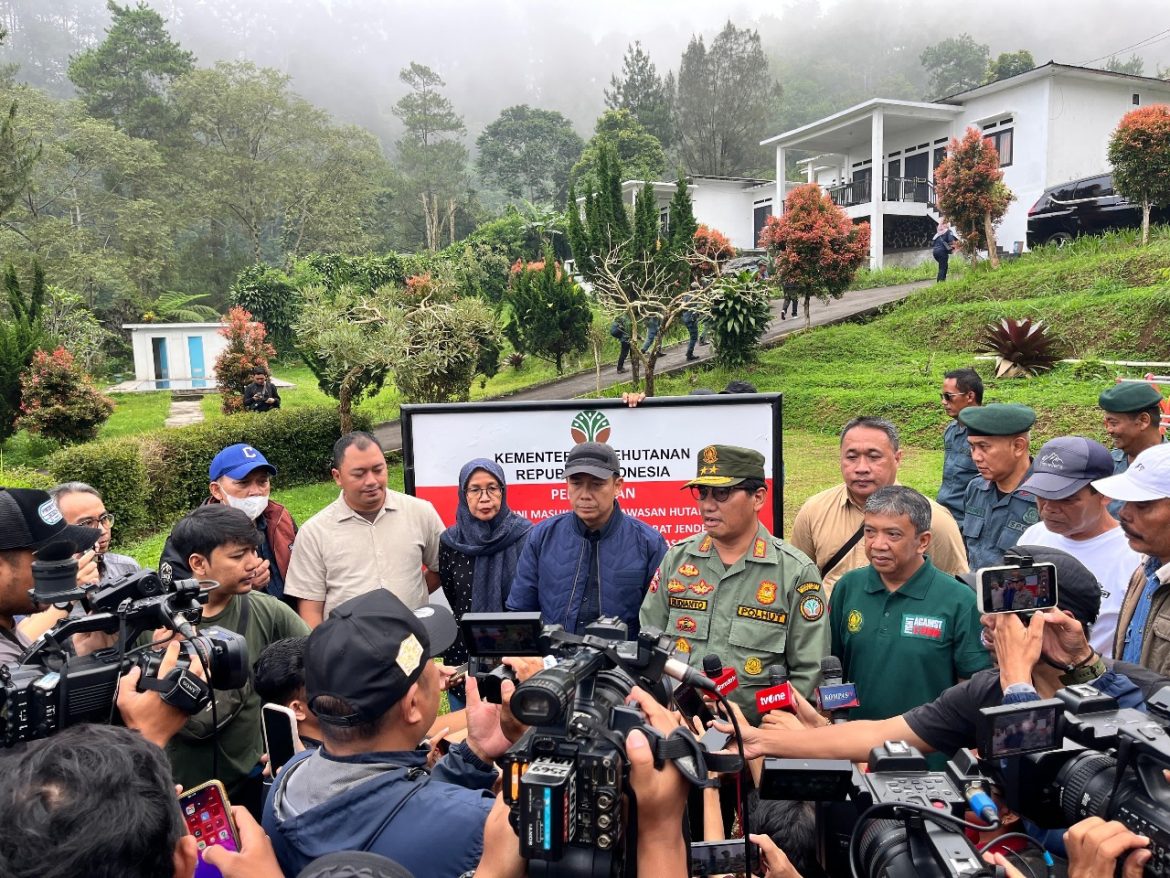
column 592, row 458
column 1077, row 589
column 30, row 519
column 370, row 651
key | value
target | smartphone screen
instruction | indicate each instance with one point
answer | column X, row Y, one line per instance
column 722, row 857
column 209, row 819
column 280, row 735
column 1016, row 589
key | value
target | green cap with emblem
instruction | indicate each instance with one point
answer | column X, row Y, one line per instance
column 727, row 465
column 1127, row 397
column 997, row 419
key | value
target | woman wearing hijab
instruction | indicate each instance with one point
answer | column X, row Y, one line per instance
column 944, row 242
column 478, row 554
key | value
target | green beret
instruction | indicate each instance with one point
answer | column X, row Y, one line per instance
column 727, row 465
column 997, row 419
column 1129, row 396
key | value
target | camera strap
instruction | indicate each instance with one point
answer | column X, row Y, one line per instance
column 684, row 750
column 180, row 688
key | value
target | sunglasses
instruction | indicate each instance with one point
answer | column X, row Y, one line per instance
column 720, row 495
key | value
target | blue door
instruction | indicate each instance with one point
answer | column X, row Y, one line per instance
column 159, row 351
column 195, row 350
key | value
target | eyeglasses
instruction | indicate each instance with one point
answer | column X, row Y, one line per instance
column 947, row 397
column 475, row 491
column 720, row 495
column 106, row 519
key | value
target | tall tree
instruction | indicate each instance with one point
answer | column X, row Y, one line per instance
column 21, row 335
column 431, row 156
column 18, row 155
column 128, row 77
column 640, row 154
column 955, row 64
column 1139, row 151
column 644, row 93
column 971, row 192
column 528, row 153
column 724, row 96
column 1010, row 64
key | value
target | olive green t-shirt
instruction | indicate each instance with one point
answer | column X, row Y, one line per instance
column 241, row 741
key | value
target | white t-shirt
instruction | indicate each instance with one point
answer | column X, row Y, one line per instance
column 1109, row 558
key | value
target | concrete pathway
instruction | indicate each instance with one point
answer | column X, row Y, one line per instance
column 673, row 358
column 184, row 412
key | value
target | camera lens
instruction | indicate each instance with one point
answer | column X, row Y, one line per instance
column 543, row 699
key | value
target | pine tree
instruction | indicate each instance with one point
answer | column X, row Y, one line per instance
column 681, row 217
column 21, row 334
column 644, row 93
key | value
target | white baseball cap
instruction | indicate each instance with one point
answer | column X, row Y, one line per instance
column 1148, row 478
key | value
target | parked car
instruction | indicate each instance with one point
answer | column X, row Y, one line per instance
column 1083, row 207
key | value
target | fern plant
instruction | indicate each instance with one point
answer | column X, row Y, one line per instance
column 1022, row 348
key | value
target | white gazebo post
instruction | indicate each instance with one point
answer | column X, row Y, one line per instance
column 876, row 188
column 779, row 208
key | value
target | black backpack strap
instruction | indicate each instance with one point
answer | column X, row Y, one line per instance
column 843, row 551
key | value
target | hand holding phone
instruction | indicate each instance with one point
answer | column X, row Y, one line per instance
column 208, row 816
column 722, row 857
column 1013, row 589
column 281, row 739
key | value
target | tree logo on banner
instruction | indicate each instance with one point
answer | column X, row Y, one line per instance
column 590, row 426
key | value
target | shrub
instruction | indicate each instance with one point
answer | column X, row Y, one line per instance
column 550, row 313
column 24, row 477
column 269, row 296
column 59, row 400
column 739, row 318
column 246, row 352
column 159, row 475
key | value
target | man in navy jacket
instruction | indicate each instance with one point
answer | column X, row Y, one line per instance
column 371, row 681
column 594, row 561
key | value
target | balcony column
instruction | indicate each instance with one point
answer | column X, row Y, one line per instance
column 877, row 185
column 778, row 207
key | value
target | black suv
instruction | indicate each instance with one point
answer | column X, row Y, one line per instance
column 1083, row 207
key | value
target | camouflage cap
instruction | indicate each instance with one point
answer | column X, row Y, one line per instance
column 1126, row 397
column 997, row 419
column 727, row 465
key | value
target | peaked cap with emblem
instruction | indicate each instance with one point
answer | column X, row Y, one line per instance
column 726, row 465
column 1127, row 397
column 370, row 651
column 997, row 419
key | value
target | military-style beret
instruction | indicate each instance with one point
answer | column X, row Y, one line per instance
column 997, row 419
column 1129, row 396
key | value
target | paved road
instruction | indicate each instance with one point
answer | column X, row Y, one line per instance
column 673, row 358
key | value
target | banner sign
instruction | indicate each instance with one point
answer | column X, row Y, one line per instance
column 658, row 444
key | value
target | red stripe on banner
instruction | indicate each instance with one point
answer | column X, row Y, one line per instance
column 662, row 505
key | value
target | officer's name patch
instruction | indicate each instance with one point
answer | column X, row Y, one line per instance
column 761, row 614
column 930, row 627
column 688, row 569
column 688, row 604
column 808, row 586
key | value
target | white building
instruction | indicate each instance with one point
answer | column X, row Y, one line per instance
column 176, row 355
column 1051, row 124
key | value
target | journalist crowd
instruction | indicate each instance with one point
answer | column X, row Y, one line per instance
column 1038, row 569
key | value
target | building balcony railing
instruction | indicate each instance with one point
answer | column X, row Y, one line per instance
column 859, row 191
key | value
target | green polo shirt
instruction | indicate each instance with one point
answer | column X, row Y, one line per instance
column 902, row 648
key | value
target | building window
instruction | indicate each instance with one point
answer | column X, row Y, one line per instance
column 759, row 219
column 1136, row 99
column 1002, row 141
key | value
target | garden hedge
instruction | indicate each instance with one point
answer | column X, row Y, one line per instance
column 156, row 476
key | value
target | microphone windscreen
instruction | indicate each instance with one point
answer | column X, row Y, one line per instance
column 831, row 666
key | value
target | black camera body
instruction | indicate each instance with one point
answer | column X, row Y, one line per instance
column 566, row 780
column 1106, row 762
column 898, row 784
column 52, row 689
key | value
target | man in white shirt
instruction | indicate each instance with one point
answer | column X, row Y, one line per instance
column 1075, row 518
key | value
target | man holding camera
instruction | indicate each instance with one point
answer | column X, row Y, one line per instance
column 735, row 590
column 29, row 521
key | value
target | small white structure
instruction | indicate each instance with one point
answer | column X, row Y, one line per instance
column 175, row 356
column 1050, row 125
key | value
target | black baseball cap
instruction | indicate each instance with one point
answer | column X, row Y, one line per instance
column 370, row 651
column 592, row 458
column 1077, row 589
column 30, row 519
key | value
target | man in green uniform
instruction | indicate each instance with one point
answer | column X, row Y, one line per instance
column 904, row 630
column 735, row 590
column 996, row 510
column 1132, row 419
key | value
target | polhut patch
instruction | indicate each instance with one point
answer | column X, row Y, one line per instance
column 761, row 615
column 812, row 608
column 766, row 593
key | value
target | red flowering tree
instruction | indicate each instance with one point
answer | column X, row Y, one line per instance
column 712, row 248
column 246, row 351
column 1139, row 151
column 971, row 194
column 58, row 399
column 814, row 246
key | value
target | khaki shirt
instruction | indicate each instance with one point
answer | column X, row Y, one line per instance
column 766, row 608
column 339, row 555
column 828, row 519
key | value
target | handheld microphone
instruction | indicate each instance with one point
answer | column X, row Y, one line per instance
column 778, row 695
column 835, row 695
column 684, row 673
column 725, row 679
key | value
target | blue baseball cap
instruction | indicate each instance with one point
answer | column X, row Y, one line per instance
column 236, row 461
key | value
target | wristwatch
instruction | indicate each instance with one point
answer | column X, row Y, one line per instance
column 1086, row 673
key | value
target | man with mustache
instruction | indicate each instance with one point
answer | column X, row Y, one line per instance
column 1143, row 627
